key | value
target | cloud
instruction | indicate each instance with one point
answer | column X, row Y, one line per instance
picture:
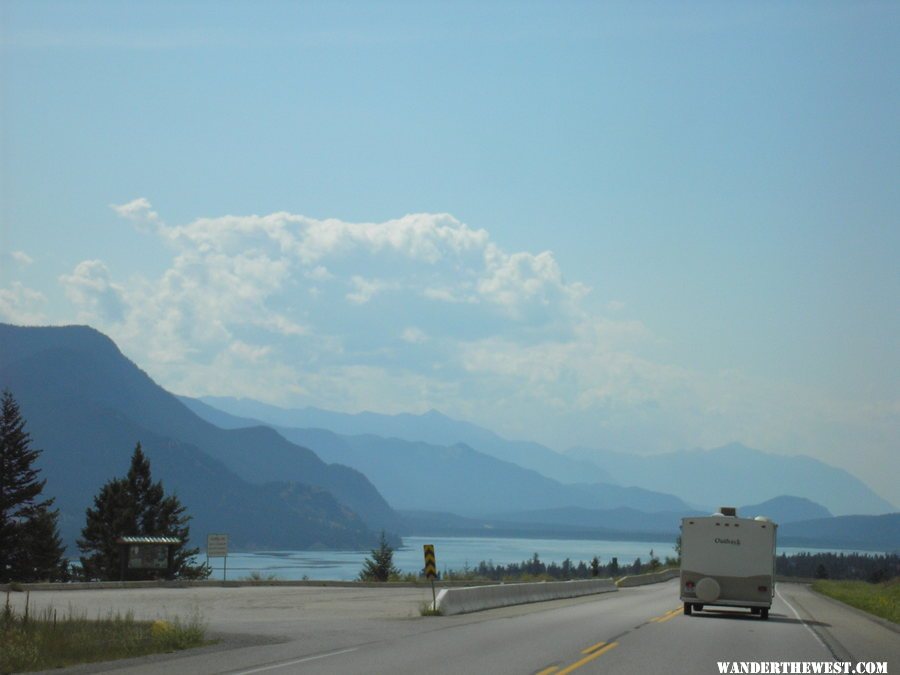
column 91, row 290
column 366, row 289
column 414, row 335
column 21, row 258
column 19, row 305
column 300, row 311
column 519, row 279
column 140, row 212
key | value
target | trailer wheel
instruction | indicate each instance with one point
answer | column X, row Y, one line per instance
column 697, row 607
column 754, row 610
column 764, row 613
column 687, row 609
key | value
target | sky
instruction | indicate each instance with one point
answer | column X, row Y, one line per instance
column 633, row 226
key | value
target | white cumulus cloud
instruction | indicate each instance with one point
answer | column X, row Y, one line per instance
column 21, row 258
column 90, row 288
column 20, row 305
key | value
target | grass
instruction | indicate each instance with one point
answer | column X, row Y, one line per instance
column 47, row 640
column 879, row 599
column 427, row 609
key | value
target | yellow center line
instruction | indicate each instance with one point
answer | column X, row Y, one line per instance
column 547, row 671
column 671, row 615
column 668, row 615
column 592, row 648
column 587, row 659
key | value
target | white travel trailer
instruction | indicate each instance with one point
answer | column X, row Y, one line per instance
column 728, row 561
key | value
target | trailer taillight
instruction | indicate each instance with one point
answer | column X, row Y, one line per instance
column 689, row 585
column 762, row 589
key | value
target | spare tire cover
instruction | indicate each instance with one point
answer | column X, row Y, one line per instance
column 708, row 590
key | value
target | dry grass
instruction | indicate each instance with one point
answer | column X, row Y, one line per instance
column 48, row 640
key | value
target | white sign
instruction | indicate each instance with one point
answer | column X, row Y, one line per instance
column 216, row 545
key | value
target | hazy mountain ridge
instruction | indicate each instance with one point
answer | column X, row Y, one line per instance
column 86, row 405
column 431, row 427
column 879, row 533
column 872, row 533
column 415, row 475
column 705, row 479
column 737, row 474
column 619, row 522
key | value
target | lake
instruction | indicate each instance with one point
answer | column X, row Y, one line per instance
column 453, row 553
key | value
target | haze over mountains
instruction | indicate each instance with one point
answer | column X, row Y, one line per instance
column 705, row 479
column 431, row 427
column 86, row 405
column 738, row 474
column 457, row 478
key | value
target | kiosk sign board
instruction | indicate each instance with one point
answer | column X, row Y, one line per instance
column 148, row 557
column 216, row 545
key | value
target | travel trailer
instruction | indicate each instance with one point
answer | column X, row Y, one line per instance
column 728, row 561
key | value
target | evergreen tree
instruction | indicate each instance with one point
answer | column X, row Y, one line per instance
column 43, row 548
column 614, row 567
column 30, row 547
column 112, row 517
column 134, row 506
column 380, row 566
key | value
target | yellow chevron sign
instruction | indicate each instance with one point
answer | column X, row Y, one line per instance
column 430, row 565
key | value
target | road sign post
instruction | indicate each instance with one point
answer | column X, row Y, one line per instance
column 217, row 547
column 431, row 571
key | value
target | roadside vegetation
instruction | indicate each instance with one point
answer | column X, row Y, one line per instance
column 379, row 566
column 881, row 599
column 46, row 639
column 30, row 546
column 873, row 568
column 535, row 569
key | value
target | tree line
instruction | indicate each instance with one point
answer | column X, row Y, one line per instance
column 132, row 506
column 874, row 568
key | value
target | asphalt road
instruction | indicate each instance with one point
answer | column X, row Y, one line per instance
column 372, row 631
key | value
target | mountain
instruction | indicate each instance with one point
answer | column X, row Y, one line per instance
column 868, row 533
column 415, row 475
column 786, row 509
column 86, row 406
column 735, row 474
column 622, row 519
column 435, row 523
column 432, row 427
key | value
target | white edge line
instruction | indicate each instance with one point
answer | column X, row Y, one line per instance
column 291, row 663
column 799, row 618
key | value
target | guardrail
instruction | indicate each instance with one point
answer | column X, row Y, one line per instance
column 475, row 599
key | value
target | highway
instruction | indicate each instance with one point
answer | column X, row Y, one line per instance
column 639, row 630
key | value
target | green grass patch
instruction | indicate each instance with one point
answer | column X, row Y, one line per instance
column 46, row 639
column 879, row 599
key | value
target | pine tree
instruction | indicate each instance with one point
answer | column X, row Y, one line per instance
column 30, row 548
column 380, row 566
column 112, row 517
column 43, row 559
column 134, row 506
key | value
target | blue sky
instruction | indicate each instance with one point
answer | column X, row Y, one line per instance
column 642, row 226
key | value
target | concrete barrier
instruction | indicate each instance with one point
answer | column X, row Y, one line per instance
column 218, row 583
column 644, row 579
column 475, row 599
